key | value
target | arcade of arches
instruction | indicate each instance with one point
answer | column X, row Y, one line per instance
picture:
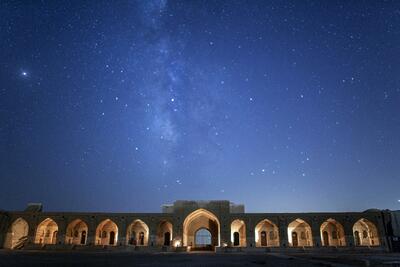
column 200, row 228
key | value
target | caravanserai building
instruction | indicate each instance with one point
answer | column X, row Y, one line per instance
column 197, row 225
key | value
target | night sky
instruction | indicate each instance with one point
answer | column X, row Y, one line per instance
column 126, row 105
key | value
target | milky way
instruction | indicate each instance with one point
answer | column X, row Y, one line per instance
column 125, row 105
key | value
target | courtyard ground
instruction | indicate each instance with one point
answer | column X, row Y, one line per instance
column 100, row 259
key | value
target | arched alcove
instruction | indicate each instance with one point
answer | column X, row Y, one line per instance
column 266, row 234
column 238, row 233
column 137, row 233
column 365, row 233
column 76, row 233
column 17, row 234
column 299, row 234
column 107, row 233
column 46, row 232
column 332, row 233
column 164, row 234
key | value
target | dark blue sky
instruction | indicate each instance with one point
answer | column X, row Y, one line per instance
column 124, row 105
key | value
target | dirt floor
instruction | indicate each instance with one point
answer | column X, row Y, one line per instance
column 100, row 259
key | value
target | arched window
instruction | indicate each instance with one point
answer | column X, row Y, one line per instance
column 203, row 237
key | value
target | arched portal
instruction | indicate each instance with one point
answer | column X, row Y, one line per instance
column 332, row 233
column 365, row 233
column 107, row 233
column 137, row 233
column 238, row 233
column 17, row 235
column 197, row 220
column 76, row 232
column 299, row 234
column 203, row 238
column 46, row 232
column 266, row 234
column 164, row 234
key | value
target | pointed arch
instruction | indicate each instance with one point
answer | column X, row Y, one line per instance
column 164, row 233
column 238, row 233
column 198, row 219
column 17, row 234
column 107, row 233
column 76, row 232
column 299, row 234
column 46, row 232
column 332, row 233
column 365, row 233
column 137, row 233
column 266, row 234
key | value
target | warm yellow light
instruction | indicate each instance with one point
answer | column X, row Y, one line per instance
column 177, row 243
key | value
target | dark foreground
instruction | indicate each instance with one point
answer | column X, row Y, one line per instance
column 100, row 259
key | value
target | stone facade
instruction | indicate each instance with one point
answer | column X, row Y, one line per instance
column 223, row 226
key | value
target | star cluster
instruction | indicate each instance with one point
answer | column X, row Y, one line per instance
column 123, row 106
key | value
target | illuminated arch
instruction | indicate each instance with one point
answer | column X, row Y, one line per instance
column 77, row 232
column 238, row 233
column 201, row 218
column 17, row 235
column 299, row 234
column 46, row 232
column 164, row 234
column 332, row 233
column 266, row 234
column 107, row 233
column 365, row 233
column 137, row 233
